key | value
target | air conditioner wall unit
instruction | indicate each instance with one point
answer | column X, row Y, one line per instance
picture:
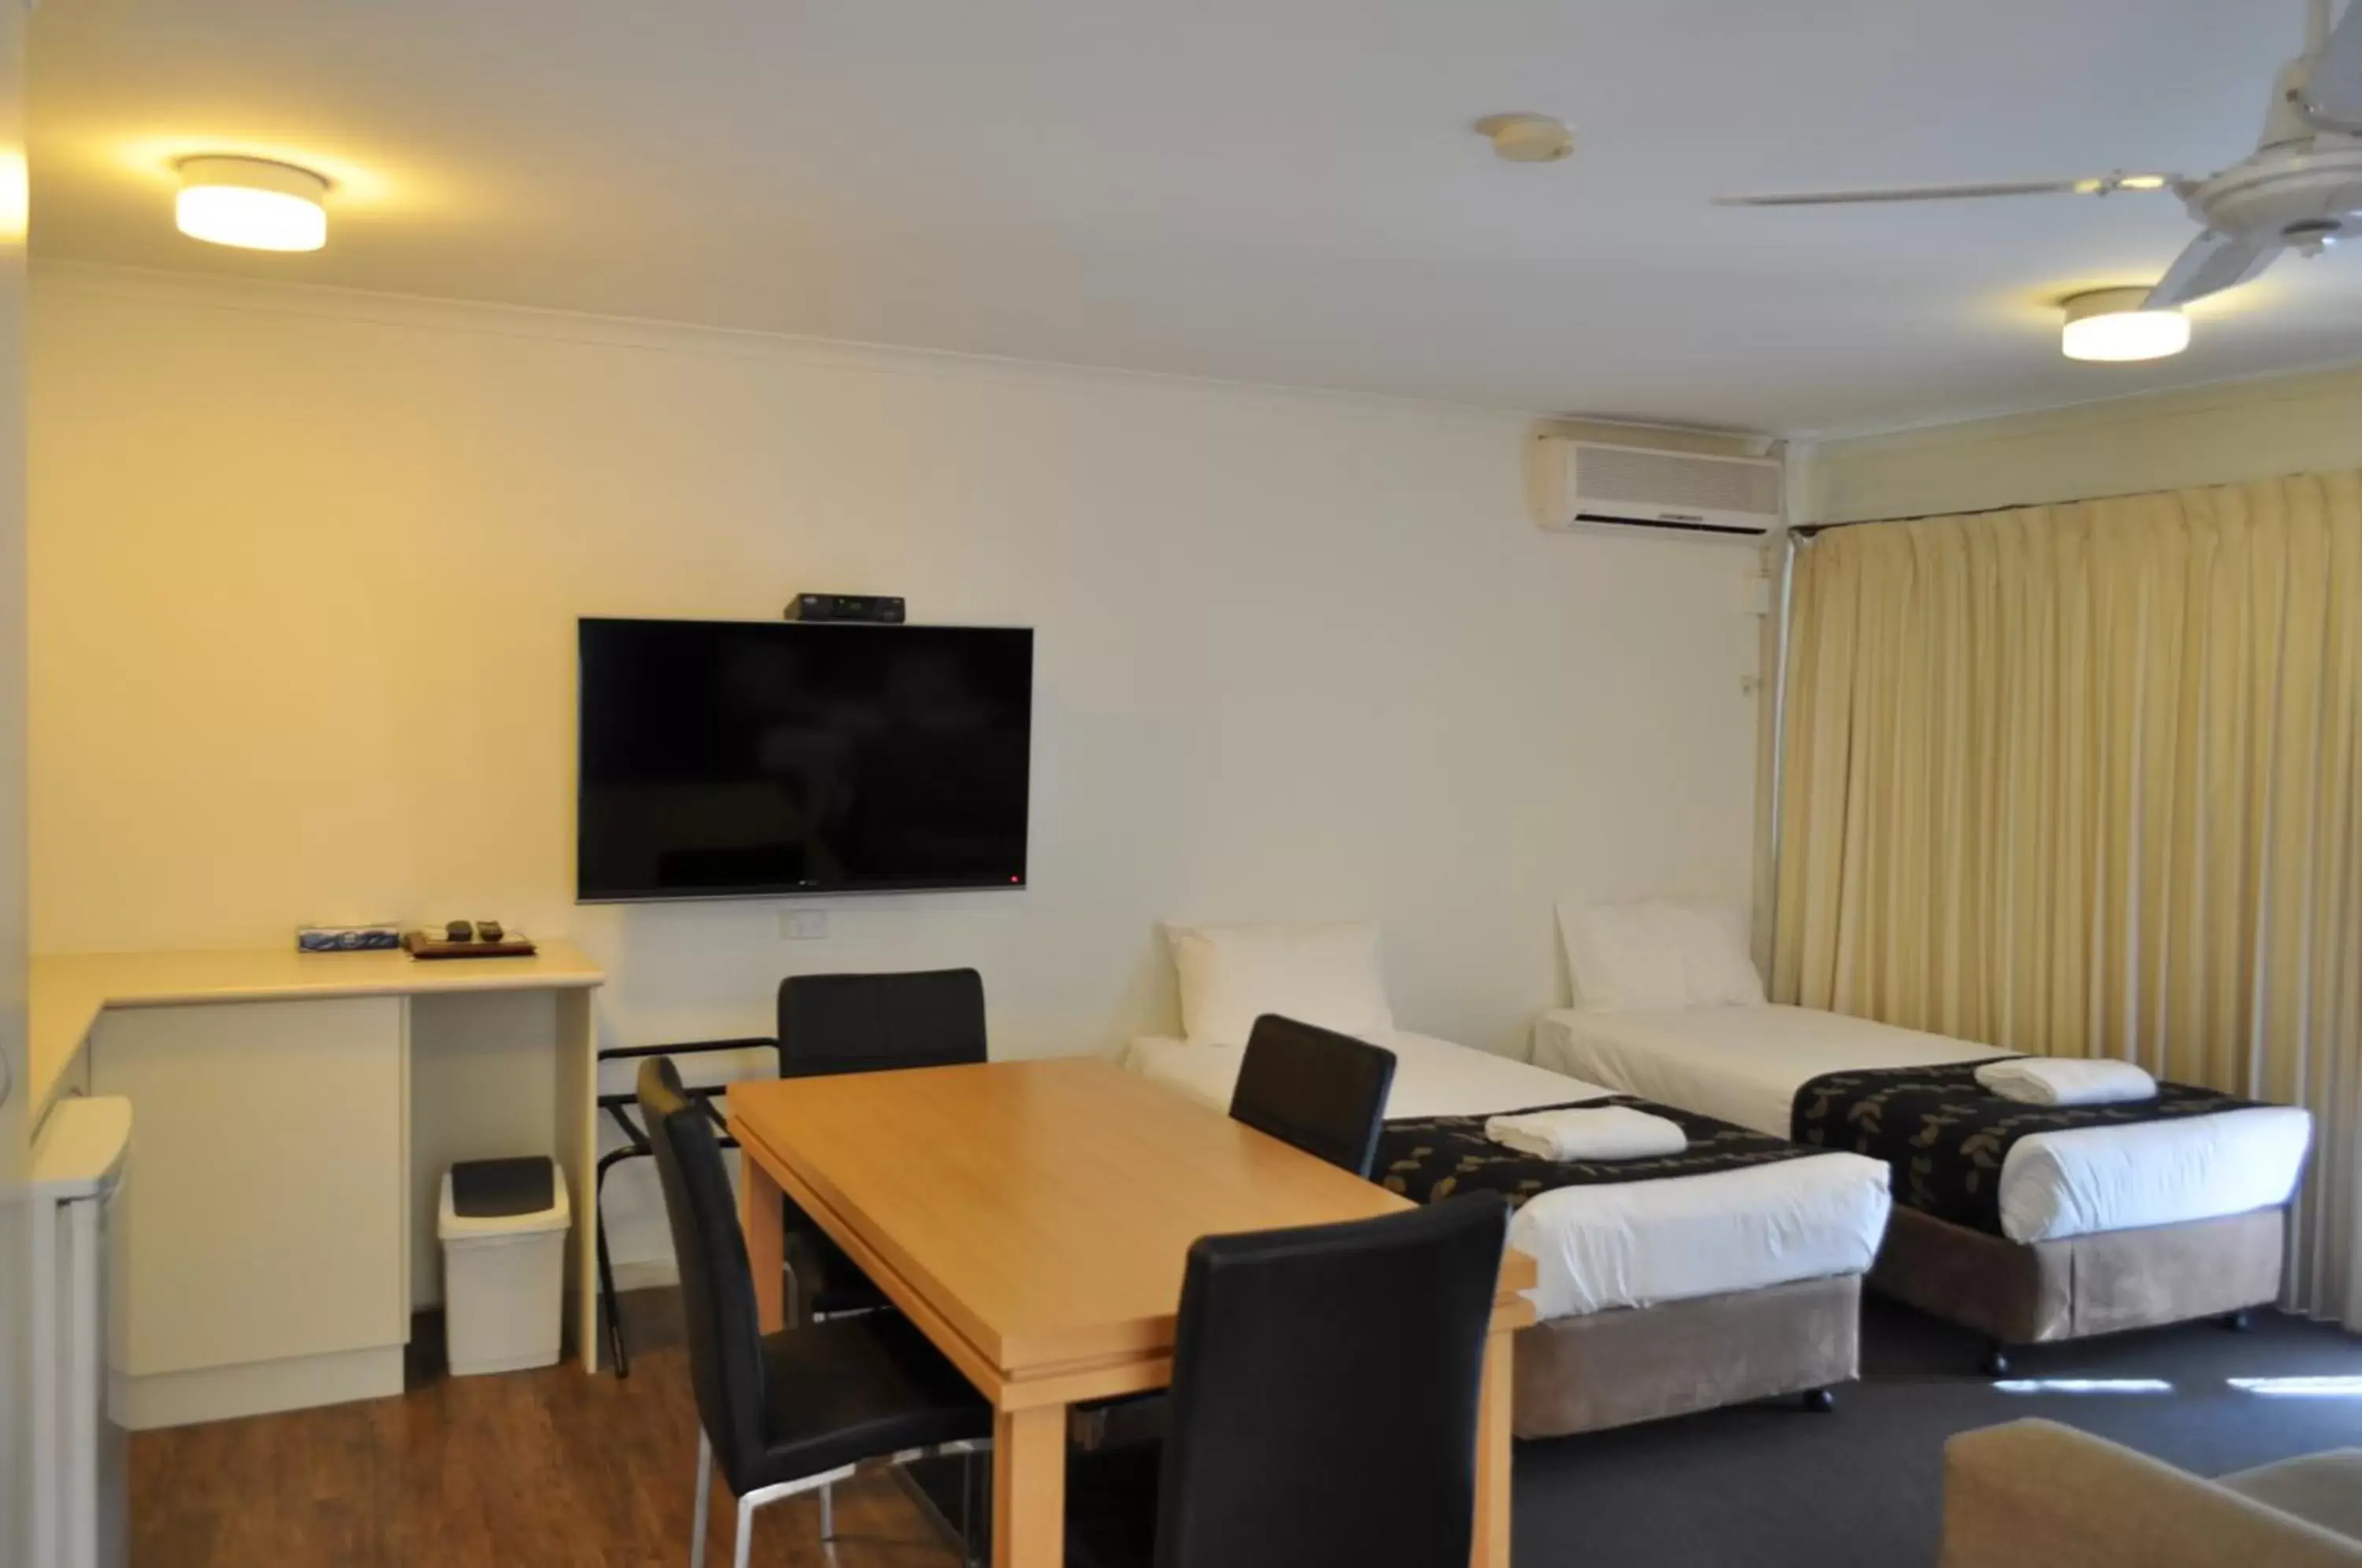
column 1580, row 483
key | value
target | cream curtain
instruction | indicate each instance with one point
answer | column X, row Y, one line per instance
column 2083, row 780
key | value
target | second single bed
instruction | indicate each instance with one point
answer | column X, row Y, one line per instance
column 2173, row 1212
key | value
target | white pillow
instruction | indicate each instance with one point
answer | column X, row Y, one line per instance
column 1711, row 941
column 1232, row 975
column 1660, row 953
column 1617, row 960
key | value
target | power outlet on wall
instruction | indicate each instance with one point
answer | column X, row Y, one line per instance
column 803, row 925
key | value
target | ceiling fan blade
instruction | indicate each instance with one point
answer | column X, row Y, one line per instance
column 2212, row 263
column 1905, row 193
column 2091, row 185
column 2333, row 90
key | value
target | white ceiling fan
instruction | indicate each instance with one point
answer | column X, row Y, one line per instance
column 2300, row 190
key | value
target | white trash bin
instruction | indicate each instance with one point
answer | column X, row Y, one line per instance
column 504, row 1225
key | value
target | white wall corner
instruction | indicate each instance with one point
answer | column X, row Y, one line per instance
column 1801, row 498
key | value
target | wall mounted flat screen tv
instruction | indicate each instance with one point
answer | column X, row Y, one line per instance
column 730, row 759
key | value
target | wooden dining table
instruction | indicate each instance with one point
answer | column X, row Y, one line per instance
column 1032, row 1218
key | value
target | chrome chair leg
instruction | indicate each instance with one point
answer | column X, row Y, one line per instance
column 704, row 1498
column 763, row 1496
column 825, row 1484
column 745, row 1541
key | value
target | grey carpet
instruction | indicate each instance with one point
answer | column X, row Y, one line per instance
column 1861, row 1486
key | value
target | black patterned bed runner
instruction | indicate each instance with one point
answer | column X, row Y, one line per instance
column 1429, row 1158
column 1944, row 1135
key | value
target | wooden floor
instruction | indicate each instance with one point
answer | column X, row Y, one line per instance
column 550, row 1467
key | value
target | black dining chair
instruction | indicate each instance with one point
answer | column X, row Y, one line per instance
column 827, row 1023
column 865, row 1023
column 1319, row 1090
column 1325, row 1391
column 1322, row 1091
column 795, row 1412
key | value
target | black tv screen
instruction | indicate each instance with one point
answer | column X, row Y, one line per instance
column 726, row 759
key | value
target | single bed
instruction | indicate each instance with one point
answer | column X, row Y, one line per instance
column 2099, row 1229
column 1656, row 1298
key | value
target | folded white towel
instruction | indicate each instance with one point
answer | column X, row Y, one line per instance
column 1602, row 1132
column 2059, row 1080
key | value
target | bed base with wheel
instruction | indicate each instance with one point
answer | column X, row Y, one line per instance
column 1642, row 1363
column 2021, row 1293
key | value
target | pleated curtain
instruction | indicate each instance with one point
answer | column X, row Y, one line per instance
column 2083, row 780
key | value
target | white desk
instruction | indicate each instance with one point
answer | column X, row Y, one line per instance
column 271, row 1222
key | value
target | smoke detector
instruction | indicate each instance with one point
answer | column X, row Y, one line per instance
column 1527, row 138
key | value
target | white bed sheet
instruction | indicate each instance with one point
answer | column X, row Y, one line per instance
column 1628, row 1244
column 1745, row 1065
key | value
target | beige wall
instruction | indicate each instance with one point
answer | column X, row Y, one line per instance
column 307, row 567
column 2209, row 436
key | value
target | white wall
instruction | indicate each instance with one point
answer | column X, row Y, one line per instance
column 306, row 566
column 2216, row 435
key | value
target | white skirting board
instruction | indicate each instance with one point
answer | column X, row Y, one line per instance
column 259, row 1388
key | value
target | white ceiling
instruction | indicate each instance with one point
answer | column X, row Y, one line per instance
column 1278, row 190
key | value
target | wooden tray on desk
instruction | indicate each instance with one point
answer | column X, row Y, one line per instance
column 426, row 944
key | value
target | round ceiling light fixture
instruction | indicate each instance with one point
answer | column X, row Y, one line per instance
column 1527, row 138
column 253, row 202
column 2113, row 326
